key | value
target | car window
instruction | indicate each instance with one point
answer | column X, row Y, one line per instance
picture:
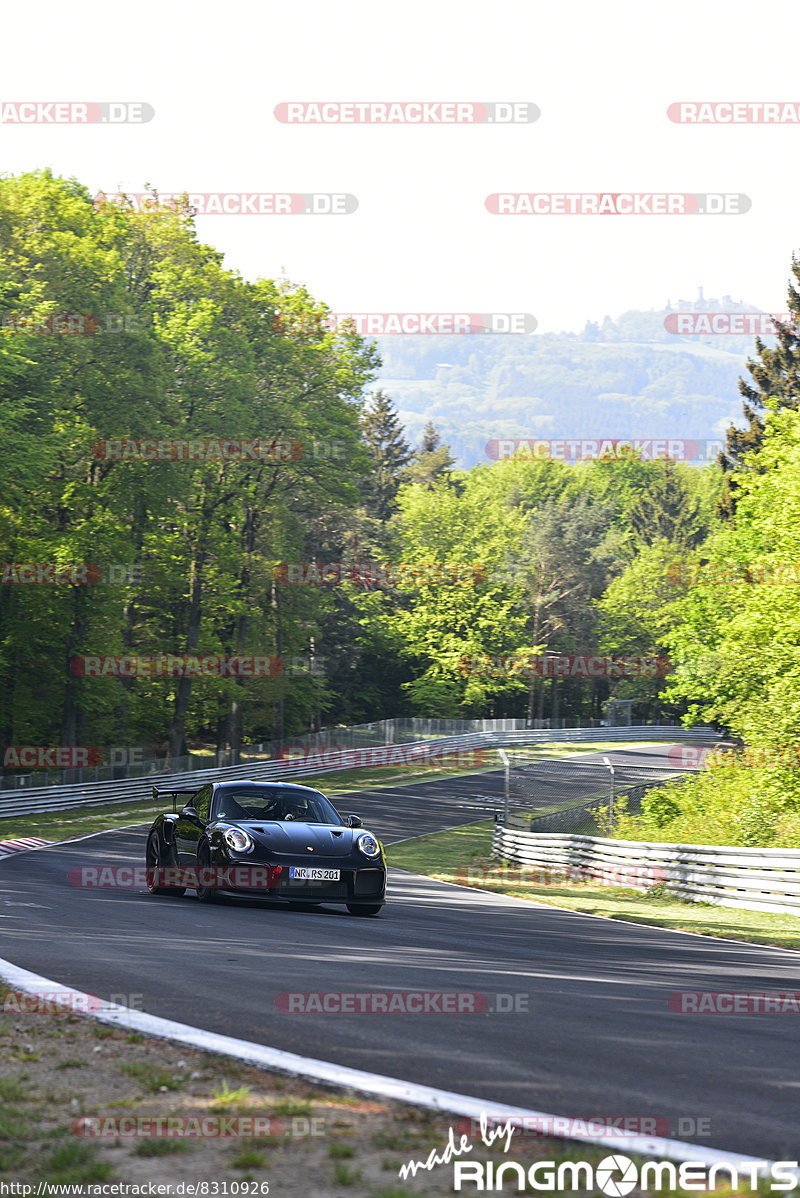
column 271, row 803
column 202, row 802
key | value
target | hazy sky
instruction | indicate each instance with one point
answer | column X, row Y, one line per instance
column 422, row 239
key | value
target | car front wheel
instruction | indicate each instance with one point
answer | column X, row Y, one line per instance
column 205, row 894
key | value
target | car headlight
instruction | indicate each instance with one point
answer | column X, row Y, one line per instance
column 369, row 845
column 238, row 840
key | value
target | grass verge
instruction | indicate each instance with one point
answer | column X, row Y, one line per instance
column 462, row 855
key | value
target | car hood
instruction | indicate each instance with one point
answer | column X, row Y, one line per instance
column 295, row 838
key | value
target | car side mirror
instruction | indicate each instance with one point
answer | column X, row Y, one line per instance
column 190, row 812
column 353, row 821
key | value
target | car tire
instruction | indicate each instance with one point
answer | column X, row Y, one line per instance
column 153, row 862
column 364, row 908
column 205, row 894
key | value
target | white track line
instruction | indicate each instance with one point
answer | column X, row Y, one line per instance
column 23, row 981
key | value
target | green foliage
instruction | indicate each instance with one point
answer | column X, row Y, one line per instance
column 727, row 805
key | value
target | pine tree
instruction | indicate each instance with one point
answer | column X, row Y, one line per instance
column 390, row 454
column 665, row 510
column 430, row 438
column 432, row 461
column 775, row 374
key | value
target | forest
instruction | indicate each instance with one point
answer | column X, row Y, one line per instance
column 215, row 528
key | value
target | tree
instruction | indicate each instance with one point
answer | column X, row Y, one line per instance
column 775, row 374
column 200, row 357
column 564, row 565
column 389, row 453
column 737, row 641
column 432, row 461
column 666, row 511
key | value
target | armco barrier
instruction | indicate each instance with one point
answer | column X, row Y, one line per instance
column 756, row 879
column 58, row 798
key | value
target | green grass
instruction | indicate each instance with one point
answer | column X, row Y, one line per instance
column 289, row 1107
column 248, row 1159
column 159, row 1147
column 74, row 1164
column 444, row 854
column 345, row 1175
column 340, row 1151
column 153, row 1078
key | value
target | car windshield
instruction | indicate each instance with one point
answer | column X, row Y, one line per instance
column 274, row 803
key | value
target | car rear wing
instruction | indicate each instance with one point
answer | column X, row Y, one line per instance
column 170, row 792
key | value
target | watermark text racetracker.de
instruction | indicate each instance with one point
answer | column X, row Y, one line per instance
column 406, row 112
column 562, row 203
column 272, row 450
column 735, row 112
column 189, row 1127
column 388, row 756
column 728, row 324
column 176, row 665
column 385, row 324
column 401, row 1002
column 70, row 324
column 70, row 573
column 639, row 877
column 236, row 203
column 622, row 1126
column 137, row 877
column 373, row 574
column 566, row 665
column 71, row 112
column 700, row 1002
column 747, row 757
column 734, row 573
column 67, row 1002
column 584, row 449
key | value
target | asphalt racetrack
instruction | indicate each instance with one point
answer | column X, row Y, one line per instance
column 576, row 1019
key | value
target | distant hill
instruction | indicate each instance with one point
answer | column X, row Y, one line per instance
column 622, row 378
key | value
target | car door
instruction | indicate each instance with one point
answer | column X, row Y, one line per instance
column 188, row 828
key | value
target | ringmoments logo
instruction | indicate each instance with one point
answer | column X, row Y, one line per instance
column 615, row 1175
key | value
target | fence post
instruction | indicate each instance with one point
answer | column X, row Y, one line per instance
column 611, row 796
column 507, row 789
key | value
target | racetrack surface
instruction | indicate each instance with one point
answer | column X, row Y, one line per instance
column 597, row 1038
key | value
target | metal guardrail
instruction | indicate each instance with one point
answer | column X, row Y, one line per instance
column 58, row 798
column 755, row 879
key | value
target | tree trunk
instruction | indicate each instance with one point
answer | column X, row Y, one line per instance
column 177, row 731
column 72, row 720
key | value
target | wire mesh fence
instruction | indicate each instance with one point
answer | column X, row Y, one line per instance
column 559, row 795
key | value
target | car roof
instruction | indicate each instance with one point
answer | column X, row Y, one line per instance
column 265, row 782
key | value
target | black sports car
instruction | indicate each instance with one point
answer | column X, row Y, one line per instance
column 272, row 840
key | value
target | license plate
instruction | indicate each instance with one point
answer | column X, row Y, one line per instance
column 308, row 874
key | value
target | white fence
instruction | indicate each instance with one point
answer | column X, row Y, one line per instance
column 58, row 798
column 756, row 879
